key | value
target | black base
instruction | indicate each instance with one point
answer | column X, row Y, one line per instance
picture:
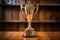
column 29, row 36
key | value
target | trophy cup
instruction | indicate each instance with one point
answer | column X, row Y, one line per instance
column 29, row 11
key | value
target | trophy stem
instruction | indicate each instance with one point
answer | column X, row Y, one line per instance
column 29, row 25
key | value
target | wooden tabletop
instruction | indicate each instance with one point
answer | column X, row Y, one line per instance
column 39, row 36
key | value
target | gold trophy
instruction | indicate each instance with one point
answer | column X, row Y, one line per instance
column 30, row 12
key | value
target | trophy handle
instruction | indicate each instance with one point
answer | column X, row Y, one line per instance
column 21, row 6
column 37, row 7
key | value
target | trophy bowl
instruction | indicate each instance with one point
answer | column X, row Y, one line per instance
column 30, row 11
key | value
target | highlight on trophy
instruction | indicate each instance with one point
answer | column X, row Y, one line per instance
column 29, row 11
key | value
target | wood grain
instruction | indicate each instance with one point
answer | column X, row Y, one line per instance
column 19, row 36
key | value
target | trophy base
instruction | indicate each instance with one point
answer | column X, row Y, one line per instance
column 29, row 36
column 29, row 33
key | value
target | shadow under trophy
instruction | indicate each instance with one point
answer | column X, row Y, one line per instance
column 29, row 11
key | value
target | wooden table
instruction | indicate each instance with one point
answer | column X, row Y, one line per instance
column 19, row 36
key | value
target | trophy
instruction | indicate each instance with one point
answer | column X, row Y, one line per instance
column 29, row 11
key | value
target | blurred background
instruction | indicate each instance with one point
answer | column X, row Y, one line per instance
column 13, row 22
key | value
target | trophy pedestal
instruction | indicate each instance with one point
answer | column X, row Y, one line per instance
column 29, row 32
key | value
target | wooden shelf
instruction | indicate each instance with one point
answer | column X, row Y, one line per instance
column 49, row 4
column 9, row 5
column 48, row 21
column 16, row 21
column 38, row 4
